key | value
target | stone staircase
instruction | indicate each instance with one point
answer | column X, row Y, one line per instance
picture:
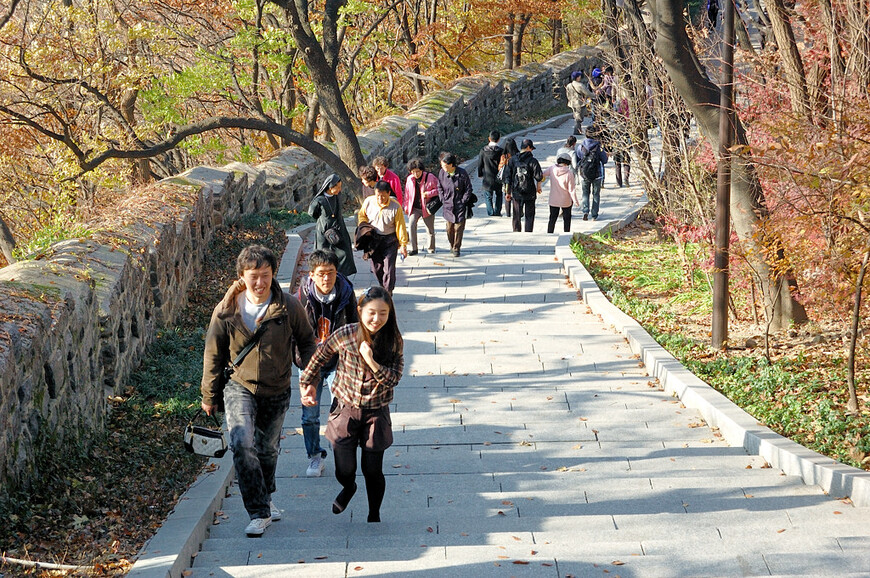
column 529, row 441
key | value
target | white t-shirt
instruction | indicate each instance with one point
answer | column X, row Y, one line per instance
column 252, row 312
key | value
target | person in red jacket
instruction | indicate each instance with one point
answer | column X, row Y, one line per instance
column 382, row 166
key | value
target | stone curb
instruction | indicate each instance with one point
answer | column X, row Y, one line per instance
column 179, row 538
column 738, row 427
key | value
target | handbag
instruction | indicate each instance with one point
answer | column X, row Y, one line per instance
column 332, row 236
column 205, row 441
column 433, row 204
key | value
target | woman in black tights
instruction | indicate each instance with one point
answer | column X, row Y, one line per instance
column 370, row 365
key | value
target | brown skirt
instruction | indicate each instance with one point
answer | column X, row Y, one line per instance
column 370, row 429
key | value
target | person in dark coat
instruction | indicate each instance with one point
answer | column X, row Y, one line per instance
column 524, row 186
column 454, row 188
column 487, row 167
column 331, row 233
column 510, row 150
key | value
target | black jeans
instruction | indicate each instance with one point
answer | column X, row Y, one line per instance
column 566, row 218
column 523, row 208
column 255, row 423
column 383, row 261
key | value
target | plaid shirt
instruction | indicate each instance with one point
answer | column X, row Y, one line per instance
column 355, row 383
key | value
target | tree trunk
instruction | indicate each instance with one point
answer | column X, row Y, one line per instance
column 852, row 406
column 838, row 65
column 556, row 27
column 7, row 242
column 408, row 38
column 324, row 78
column 747, row 203
column 141, row 168
column 791, row 59
column 519, row 32
column 509, row 43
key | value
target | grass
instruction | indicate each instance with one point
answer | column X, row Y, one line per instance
column 800, row 394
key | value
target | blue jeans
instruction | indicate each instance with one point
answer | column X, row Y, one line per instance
column 493, row 201
column 311, row 416
column 255, row 424
column 593, row 188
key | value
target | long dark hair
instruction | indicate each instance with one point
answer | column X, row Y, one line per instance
column 387, row 343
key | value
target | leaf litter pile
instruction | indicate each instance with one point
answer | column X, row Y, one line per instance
column 96, row 507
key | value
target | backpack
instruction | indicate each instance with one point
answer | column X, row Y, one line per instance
column 588, row 165
column 524, row 180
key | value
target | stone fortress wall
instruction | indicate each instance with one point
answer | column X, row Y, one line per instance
column 77, row 318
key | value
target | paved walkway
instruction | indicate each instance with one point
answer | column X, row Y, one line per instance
column 529, row 441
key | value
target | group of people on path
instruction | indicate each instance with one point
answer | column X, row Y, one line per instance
column 388, row 218
column 348, row 345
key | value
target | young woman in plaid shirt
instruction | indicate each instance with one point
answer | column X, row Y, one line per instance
column 370, row 364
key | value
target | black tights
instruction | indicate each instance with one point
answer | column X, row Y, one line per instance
column 372, row 464
column 554, row 214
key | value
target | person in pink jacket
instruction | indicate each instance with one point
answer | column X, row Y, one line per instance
column 563, row 192
column 382, row 165
column 420, row 188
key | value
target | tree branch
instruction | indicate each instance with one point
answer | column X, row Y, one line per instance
column 223, row 122
column 9, row 12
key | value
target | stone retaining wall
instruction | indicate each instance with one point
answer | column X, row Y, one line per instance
column 77, row 318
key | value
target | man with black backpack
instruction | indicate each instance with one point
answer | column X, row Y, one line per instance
column 524, row 186
column 590, row 165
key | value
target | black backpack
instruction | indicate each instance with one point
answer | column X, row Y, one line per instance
column 524, row 180
column 589, row 164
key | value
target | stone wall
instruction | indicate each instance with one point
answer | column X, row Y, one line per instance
column 77, row 318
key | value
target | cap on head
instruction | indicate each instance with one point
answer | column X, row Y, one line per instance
column 564, row 158
column 576, row 74
column 596, row 73
column 528, row 144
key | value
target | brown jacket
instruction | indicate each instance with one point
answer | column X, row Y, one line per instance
column 286, row 337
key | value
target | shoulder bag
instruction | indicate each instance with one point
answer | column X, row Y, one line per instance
column 205, row 441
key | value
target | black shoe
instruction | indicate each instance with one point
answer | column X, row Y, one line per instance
column 343, row 499
column 585, row 217
column 455, row 252
column 411, row 253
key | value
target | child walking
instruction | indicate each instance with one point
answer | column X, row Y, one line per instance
column 370, row 365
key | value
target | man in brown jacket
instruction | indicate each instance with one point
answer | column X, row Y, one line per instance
column 257, row 394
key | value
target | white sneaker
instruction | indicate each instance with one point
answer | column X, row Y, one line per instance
column 258, row 526
column 315, row 467
column 276, row 513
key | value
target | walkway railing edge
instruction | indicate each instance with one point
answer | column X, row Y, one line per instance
column 736, row 426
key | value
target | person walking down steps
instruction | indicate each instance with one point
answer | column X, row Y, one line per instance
column 370, row 365
column 454, row 187
column 420, row 188
column 330, row 303
column 387, row 218
column 258, row 316
column 331, row 233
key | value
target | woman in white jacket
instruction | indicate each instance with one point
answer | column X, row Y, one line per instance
column 563, row 191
